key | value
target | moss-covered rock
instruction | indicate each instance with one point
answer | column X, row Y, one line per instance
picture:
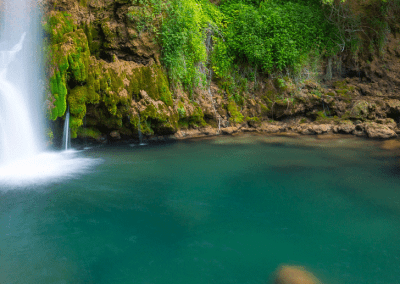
column 69, row 59
column 154, row 116
column 77, row 103
column 90, row 132
column 360, row 110
column 236, row 116
column 57, row 24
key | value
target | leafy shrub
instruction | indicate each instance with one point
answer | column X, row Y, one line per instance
column 276, row 34
column 144, row 13
column 183, row 40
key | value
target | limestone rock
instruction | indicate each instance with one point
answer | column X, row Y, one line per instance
column 309, row 129
column 250, row 129
column 360, row 109
column 228, row 130
column 393, row 106
column 115, row 134
column 209, row 131
column 270, row 128
column 389, row 122
column 375, row 130
column 346, row 127
column 294, row 275
column 321, row 128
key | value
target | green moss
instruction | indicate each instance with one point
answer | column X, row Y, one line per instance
column 182, row 112
column 69, row 61
column 58, row 89
column 145, row 128
column 360, row 110
column 153, row 118
column 340, row 84
column 264, row 109
column 236, row 116
column 89, row 133
column 321, row 116
column 255, row 119
column 269, row 96
column 152, row 80
column 183, row 124
column 109, row 34
column 134, row 120
column 116, row 89
column 94, row 39
column 57, row 24
column 77, row 105
column 343, row 90
column 98, row 82
column 197, row 118
column 280, row 83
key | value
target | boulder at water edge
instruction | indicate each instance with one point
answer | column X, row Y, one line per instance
column 287, row 274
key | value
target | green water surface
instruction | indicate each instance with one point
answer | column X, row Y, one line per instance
column 225, row 210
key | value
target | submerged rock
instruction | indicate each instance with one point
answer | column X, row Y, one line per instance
column 391, row 145
column 287, row 274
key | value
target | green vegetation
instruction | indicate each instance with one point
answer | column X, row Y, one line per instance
column 89, row 133
column 275, row 35
column 69, row 58
column 240, row 37
column 185, row 40
column 78, row 79
column 146, row 13
column 235, row 115
column 247, row 47
column 363, row 26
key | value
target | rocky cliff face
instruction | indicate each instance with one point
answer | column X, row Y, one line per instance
column 112, row 78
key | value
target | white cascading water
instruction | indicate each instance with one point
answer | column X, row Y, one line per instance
column 23, row 161
column 17, row 140
column 66, row 131
column 140, row 134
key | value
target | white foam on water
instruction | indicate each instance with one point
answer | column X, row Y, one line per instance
column 43, row 168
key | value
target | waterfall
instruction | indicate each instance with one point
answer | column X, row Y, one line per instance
column 22, row 159
column 20, row 79
column 66, row 137
column 17, row 140
column 140, row 134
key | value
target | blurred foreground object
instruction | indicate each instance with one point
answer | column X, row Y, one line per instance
column 287, row 274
